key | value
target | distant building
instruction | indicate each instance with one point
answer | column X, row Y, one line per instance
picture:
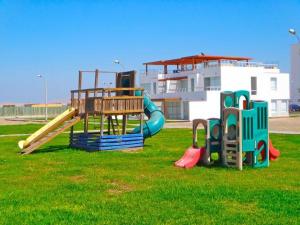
column 295, row 74
column 8, row 106
column 189, row 87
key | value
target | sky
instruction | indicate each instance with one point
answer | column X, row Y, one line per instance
column 57, row 38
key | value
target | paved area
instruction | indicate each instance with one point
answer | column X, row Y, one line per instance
column 18, row 121
column 288, row 125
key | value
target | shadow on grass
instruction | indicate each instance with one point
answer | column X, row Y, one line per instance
column 54, row 148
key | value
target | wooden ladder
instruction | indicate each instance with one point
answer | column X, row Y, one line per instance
column 67, row 124
column 115, row 124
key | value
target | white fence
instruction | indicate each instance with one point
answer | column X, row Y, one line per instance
column 30, row 112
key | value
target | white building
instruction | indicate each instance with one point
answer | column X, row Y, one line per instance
column 189, row 87
column 295, row 74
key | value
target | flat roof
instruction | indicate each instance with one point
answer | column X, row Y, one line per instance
column 195, row 59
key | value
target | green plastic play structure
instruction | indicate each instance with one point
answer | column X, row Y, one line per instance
column 240, row 137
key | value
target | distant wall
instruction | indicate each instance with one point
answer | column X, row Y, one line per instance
column 30, row 112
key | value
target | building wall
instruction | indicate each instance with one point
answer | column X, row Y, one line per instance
column 295, row 74
column 239, row 78
column 206, row 109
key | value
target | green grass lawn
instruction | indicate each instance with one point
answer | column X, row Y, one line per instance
column 59, row 185
column 30, row 128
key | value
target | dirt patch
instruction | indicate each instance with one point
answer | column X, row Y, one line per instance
column 133, row 150
column 77, row 178
column 235, row 207
column 27, row 178
column 119, row 187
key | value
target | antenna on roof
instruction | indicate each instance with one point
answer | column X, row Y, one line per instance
column 202, row 54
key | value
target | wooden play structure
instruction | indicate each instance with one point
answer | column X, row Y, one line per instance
column 110, row 107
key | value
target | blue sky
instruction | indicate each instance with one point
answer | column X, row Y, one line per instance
column 57, row 38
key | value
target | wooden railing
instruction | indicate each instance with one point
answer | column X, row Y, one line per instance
column 107, row 101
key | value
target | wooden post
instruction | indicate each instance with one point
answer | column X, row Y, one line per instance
column 193, row 65
column 146, row 69
column 71, row 135
column 80, row 80
column 79, row 88
column 96, row 81
column 165, row 69
column 108, row 125
column 141, row 123
column 181, row 67
column 124, row 124
column 86, row 115
column 72, row 99
column 72, row 127
column 109, row 118
column 102, row 116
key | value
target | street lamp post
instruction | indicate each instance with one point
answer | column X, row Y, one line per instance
column 294, row 33
column 116, row 61
column 46, row 95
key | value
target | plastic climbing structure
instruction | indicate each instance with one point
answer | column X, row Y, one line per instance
column 110, row 108
column 240, row 137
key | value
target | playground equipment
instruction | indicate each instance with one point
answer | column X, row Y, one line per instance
column 109, row 105
column 240, row 137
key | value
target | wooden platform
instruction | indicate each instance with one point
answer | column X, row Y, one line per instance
column 107, row 101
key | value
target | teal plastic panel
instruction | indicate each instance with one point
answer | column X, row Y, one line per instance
column 238, row 95
column 248, row 129
column 262, row 135
column 215, row 130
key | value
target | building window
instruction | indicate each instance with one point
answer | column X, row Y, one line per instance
column 154, row 88
column 192, row 84
column 212, row 83
column 283, row 106
column 273, row 83
column 183, row 85
column 173, row 110
column 274, row 106
column 253, row 85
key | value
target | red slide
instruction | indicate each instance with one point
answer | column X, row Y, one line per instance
column 273, row 152
column 190, row 158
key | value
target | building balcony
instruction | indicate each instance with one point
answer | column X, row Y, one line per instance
column 199, row 93
column 200, row 68
column 184, row 90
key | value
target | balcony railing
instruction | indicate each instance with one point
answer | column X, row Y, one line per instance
column 212, row 88
column 186, row 90
column 211, row 64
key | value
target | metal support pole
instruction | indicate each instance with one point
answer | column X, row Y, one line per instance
column 46, row 99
